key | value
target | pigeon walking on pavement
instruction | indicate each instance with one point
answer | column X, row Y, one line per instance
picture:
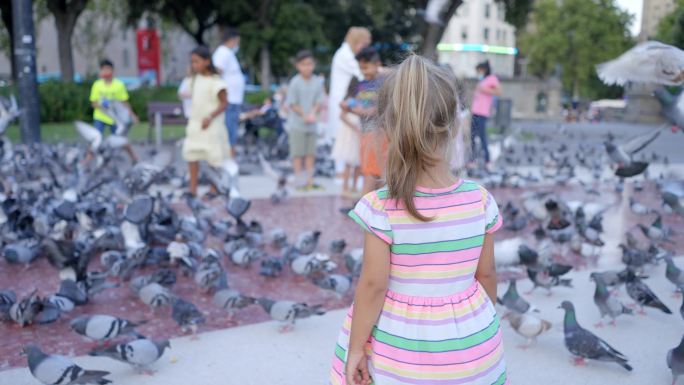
column 52, row 369
column 187, row 316
column 528, row 326
column 675, row 361
column 607, row 304
column 102, row 327
column 513, row 301
column 584, row 344
column 139, row 353
column 643, row 295
column 288, row 312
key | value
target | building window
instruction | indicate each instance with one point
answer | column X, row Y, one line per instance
column 487, row 11
column 126, row 58
column 463, row 10
column 501, row 12
column 504, row 37
column 464, row 33
column 485, row 34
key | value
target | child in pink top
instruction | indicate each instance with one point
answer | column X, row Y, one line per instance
column 487, row 88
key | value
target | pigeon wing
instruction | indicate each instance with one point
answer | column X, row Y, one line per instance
column 648, row 62
column 639, row 142
column 89, row 133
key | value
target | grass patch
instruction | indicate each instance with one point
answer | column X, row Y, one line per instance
column 66, row 132
column 526, row 136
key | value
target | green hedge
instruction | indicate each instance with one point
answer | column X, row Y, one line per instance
column 66, row 102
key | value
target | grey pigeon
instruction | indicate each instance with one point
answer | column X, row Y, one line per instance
column 231, row 300
column 673, row 273
column 102, row 327
column 278, row 238
column 353, row 261
column 338, row 283
column 244, row 256
column 672, row 106
column 24, row 311
column 622, row 154
column 675, row 361
column 307, row 242
column 337, row 246
column 155, row 295
column 642, row 294
column 541, row 277
column 186, row 315
column 657, row 231
column 7, row 299
column 22, row 252
column 584, row 344
column 606, row 303
column 528, row 326
column 513, row 301
column 289, row 311
column 75, row 291
column 58, row 370
column 139, row 353
column 306, row 264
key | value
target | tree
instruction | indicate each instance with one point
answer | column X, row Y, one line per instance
column 96, row 28
column 7, row 39
column 195, row 17
column 570, row 37
column 276, row 30
column 66, row 13
column 671, row 27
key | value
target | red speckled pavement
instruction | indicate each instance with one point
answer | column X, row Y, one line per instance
column 294, row 215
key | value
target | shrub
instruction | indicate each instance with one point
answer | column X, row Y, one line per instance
column 66, row 102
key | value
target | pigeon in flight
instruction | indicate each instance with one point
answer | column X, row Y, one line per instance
column 648, row 62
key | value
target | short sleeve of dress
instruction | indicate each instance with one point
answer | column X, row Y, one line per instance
column 370, row 214
column 493, row 219
column 219, row 85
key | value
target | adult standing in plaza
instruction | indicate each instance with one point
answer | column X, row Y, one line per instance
column 487, row 88
column 343, row 69
column 228, row 66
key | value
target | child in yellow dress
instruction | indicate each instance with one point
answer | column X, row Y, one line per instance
column 206, row 137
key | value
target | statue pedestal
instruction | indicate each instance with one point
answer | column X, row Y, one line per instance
column 642, row 106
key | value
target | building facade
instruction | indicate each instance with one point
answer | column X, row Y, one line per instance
column 477, row 32
column 96, row 38
column 653, row 12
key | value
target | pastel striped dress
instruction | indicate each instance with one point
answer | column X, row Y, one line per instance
column 437, row 325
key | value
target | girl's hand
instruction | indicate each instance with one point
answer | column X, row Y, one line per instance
column 135, row 119
column 356, row 371
column 205, row 122
column 310, row 119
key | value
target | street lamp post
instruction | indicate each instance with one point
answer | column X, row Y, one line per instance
column 25, row 63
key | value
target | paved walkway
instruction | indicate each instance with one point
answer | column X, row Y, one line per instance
column 258, row 354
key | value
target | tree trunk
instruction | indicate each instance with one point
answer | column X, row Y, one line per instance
column 434, row 32
column 66, row 14
column 265, row 66
column 6, row 10
column 66, row 56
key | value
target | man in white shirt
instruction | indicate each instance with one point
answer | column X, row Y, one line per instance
column 228, row 67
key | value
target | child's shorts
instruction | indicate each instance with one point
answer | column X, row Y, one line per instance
column 373, row 154
column 302, row 143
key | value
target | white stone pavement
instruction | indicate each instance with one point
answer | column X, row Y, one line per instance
column 259, row 354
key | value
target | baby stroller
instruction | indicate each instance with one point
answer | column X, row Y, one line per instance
column 265, row 134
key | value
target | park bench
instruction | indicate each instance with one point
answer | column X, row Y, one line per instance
column 160, row 113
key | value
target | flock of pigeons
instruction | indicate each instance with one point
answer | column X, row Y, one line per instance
column 569, row 233
column 55, row 207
